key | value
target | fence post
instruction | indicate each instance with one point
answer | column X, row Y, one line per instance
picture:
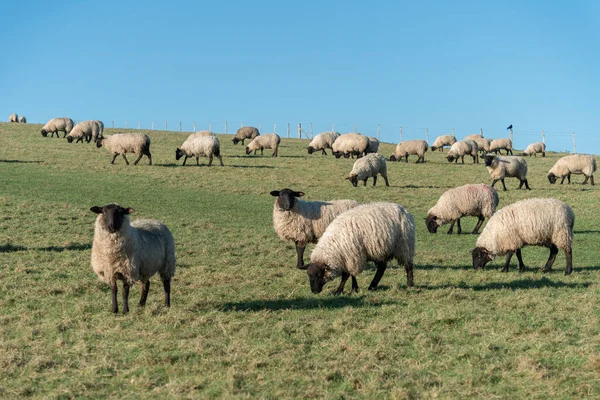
column 225, row 126
column 275, row 127
column 259, row 128
column 299, row 131
column 481, row 131
column 427, row 135
column 194, row 126
column 152, row 125
column 378, row 130
column 241, row 124
column 543, row 137
column 289, row 130
column 354, row 127
column 125, row 124
column 452, row 132
column 511, row 135
column 210, row 126
column 574, row 144
column 332, row 127
column 138, row 124
column 113, row 124
column 311, row 132
column 400, row 134
column 165, row 125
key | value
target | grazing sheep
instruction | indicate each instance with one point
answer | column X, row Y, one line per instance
column 573, row 164
column 483, row 144
column 350, row 144
column 534, row 148
column 374, row 232
column 196, row 146
column 368, row 166
column 13, row 118
column 100, row 132
column 473, row 137
column 245, row 132
column 87, row 130
column 302, row 221
column 534, row 222
column 409, row 148
column 322, row 141
column 373, row 145
column 462, row 148
column 268, row 141
column 131, row 252
column 501, row 167
column 201, row 133
column 56, row 125
column 479, row 200
column 123, row 143
column 22, row 119
column 501, row 144
column 441, row 141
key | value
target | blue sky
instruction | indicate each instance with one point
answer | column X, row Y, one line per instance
column 439, row 65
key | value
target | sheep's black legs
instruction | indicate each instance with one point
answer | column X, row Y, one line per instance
column 553, row 253
column 585, row 180
column 451, row 230
column 569, row 257
column 167, row 286
column 520, row 258
column 386, row 181
column 374, row 180
column 503, row 185
column 340, row 288
column 407, row 158
column 507, row 263
column 323, row 152
column 125, row 298
column 569, row 178
column 563, row 179
column 125, row 158
column 300, row 246
column 185, row 159
column 481, row 219
column 149, row 157
column 409, row 275
column 354, row 284
column 145, row 289
column 113, row 160
column 459, row 228
column 221, row 160
column 138, row 159
column 365, row 182
column 378, row 275
column 115, row 306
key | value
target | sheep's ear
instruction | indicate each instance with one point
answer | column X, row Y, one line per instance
column 96, row 209
column 129, row 210
column 275, row 193
column 298, row 194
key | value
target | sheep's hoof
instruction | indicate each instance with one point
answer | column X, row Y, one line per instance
column 302, row 267
column 372, row 288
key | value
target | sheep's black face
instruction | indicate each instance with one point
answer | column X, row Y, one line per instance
column 44, row 133
column 286, row 198
column 346, row 155
column 99, row 143
column 178, row 154
column 353, row 179
column 70, row 139
column 310, row 149
column 552, row 178
column 113, row 216
column 392, row 158
column 488, row 160
column 337, row 154
column 248, row 151
column 432, row 223
column 316, row 276
column 235, row 141
column 450, row 157
column 480, row 258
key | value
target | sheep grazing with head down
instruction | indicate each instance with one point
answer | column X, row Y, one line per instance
column 350, row 144
column 533, row 222
column 202, row 133
column 479, row 200
column 573, row 164
column 22, row 119
column 245, row 132
column 462, row 148
column 534, row 149
column 302, row 221
column 441, row 141
column 409, row 148
column 198, row 145
column 268, row 141
column 56, row 125
column 13, row 117
column 322, row 141
column 123, row 143
column 501, row 144
column 474, row 136
column 374, row 232
column 483, row 144
column 501, row 167
column 369, row 166
column 88, row 130
column 373, row 145
column 131, row 252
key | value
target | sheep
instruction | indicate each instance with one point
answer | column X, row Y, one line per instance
column 410, row 147
column 441, row 141
column 87, row 130
column 302, row 221
column 573, row 164
column 350, row 144
column 131, row 252
column 501, row 167
column 13, row 118
column 538, row 222
column 373, row 145
column 368, row 166
column 322, row 141
column 534, row 149
column 268, row 141
column 482, row 143
column 374, row 232
column 462, row 148
column 245, row 132
column 196, row 146
column 123, row 143
column 56, row 125
column 479, row 200
column 473, row 137
column 22, row 119
column 202, row 133
column 501, row 144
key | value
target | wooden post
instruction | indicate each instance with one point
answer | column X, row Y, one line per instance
column 152, row 125
column 427, row 135
column 574, row 144
column 138, row 124
column 194, row 126
column 289, row 130
column 543, row 137
column 481, row 131
column 241, row 124
column 210, row 126
column 125, row 124
column 511, row 135
column 225, row 126
column 452, row 132
column 113, row 124
column 378, row 131
column 259, row 128
column 165, row 125
column 275, row 127
column 311, row 132
column 299, row 131
column 332, row 127
column 180, row 126
column 400, row 134
column 355, row 127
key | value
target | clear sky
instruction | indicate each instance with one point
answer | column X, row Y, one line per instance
column 439, row 65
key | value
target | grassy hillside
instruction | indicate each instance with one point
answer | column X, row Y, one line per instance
column 243, row 322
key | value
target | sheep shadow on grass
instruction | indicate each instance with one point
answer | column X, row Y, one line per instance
column 302, row 303
column 517, row 284
column 21, row 161
column 10, row 248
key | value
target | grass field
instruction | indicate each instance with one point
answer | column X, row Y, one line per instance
column 243, row 322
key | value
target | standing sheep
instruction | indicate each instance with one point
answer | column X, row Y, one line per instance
column 268, row 141
column 374, row 232
column 87, row 130
column 56, row 125
column 201, row 133
column 123, row 143
column 22, row 119
column 373, row 145
column 302, row 221
column 131, row 252
column 533, row 222
column 534, row 148
column 409, row 148
column 501, row 144
column 441, row 141
column 483, row 144
column 13, row 118
column 573, row 164
column 245, row 132
column 479, row 200
column 473, row 137
column 462, row 148
column 196, row 146
column 501, row 167
column 322, row 141
column 368, row 166
column 350, row 144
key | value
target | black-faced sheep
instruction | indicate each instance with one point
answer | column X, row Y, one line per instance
column 501, row 167
column 462, row 148
column 88, row 130
column 13, row 118
column 22, row 119
column 245, row 132
column 56, row 125
column 123, row 143
column 501, row 144
column 199, row 145
column 322, row 141
column 534, row 149
column 441, row 141
column 268, row 141
column 350, row 144
column 410, row 147
column 369, row 166
column 573, row 164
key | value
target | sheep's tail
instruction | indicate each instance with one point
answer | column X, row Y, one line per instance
column 593, row 165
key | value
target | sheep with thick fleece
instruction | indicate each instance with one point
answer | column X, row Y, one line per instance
column 201, row 133
column 409, row 148
column 462, row 148
column 245, row 132
column 87, row 130
column 478, row 200
column 373, row 145
column 441, row 141
column 534, row 149
column 483, row 144
column 302, row 221
column 374, row 232
column 473, row 136
column 123, row 143
column 13, row 118
column 322, row 141
column 368, row 166
column 22, row 119
column 501, row 144
column 350, row 144
column 131, row 252
column 196, row 146
column 573, row 164
column 533, row 222
column 56, row 125
column 268, row 141
column 501, row 167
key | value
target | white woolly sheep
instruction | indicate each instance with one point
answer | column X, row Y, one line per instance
column 56, row 125
column 22, row 119
column 322, row 141
column 473, row 137
column 374, row 232
column 100, row 132
column 245, row 132
column 373, row 145
column 482, row 143
column 268, row 141
column 196, row 146
column 201, row 133
column 87, row 130
column 462, row 148
column 534, row 149
column 368, row 166
column 573, row 164
column 302, row 221
column 409, row 148
column 123, row 143
column 131, row 252
column 350, row 144
column 479, row 200
column 501, row 144
column 501, row 167
column 530, row 222
column 441, row 141
column 13, row 118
